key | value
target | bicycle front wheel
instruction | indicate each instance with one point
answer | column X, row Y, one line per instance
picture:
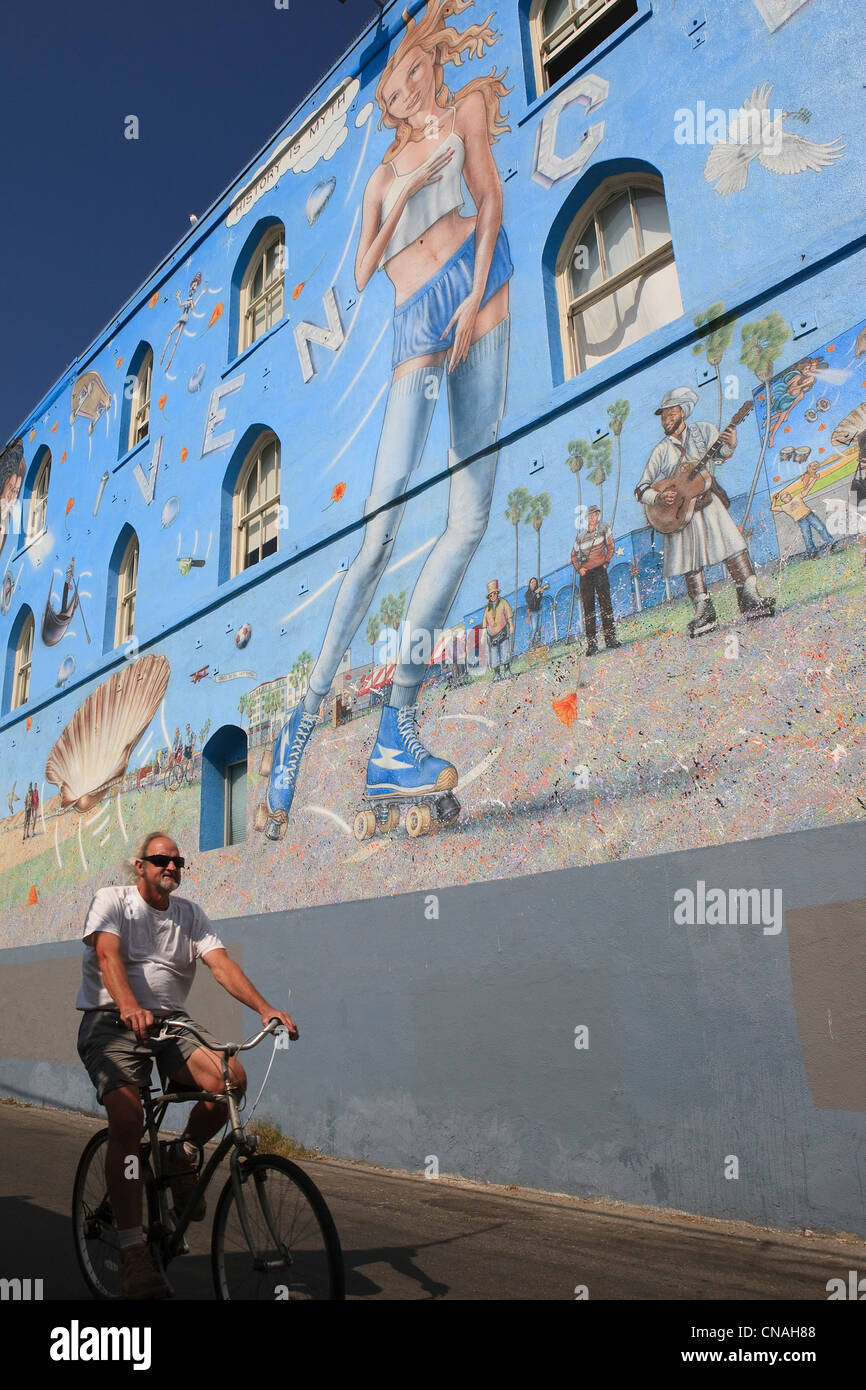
column 93, row 1225
column 275, row 1239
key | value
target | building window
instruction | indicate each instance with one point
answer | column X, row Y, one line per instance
column 567, row 31
column 223, row 817
column 616, row 276
column 257, row 505
column 127, row 583
column 23, row 662
column 39, row 500
column 263, row 289
column 139, row 415
column 236, row 802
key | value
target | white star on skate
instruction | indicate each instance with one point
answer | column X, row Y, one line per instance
column 389, row 761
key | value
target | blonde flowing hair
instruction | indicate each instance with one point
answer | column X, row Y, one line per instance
column 447, row 45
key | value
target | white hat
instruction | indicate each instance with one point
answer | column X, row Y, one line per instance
column 683, row 396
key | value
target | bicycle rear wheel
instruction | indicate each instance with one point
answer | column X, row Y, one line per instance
column 290, row 1248
column 94, row 1231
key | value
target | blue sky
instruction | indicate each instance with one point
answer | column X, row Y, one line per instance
column 88, row 213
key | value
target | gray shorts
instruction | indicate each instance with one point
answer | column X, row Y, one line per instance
column 114, row 1057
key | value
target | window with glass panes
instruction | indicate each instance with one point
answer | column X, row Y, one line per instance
column 39, row 500
column 257, row 502
column 23, row 662
column 236, row 803
column 127, row 582
column 567, row 31
column 139, row 420
column 263, row 291
column 617, row 273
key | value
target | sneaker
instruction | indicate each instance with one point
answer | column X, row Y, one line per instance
column 400, row 764
column 142, row 1276
column 288, row 749
column 184, row 1176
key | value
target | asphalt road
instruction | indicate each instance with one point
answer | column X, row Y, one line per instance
column 407, row 1238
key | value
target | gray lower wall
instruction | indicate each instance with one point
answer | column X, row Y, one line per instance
column 455, row 1036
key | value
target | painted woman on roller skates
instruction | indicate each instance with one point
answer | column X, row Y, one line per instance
column 450, row 275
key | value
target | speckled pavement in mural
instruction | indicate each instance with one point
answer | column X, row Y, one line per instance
column 684, row 746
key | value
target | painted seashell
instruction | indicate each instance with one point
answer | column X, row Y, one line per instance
column 848, row 429
column 195, row 381
column 318, row 199
column 67, row 666
column 92, row 753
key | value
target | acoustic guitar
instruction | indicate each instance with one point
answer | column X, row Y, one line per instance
column 693, row 483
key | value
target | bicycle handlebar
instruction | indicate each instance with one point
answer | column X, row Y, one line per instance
column 230, row 1048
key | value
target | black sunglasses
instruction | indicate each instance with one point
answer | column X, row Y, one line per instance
column 162, row 861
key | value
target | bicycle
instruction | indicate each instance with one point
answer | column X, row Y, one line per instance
column 273, row 1236
column 179, row 772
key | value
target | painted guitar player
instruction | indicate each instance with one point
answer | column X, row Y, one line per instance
column 450, row 274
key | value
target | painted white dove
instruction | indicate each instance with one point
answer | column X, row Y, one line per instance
column 753, row 135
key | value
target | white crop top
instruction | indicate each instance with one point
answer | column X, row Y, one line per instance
column 431, row 202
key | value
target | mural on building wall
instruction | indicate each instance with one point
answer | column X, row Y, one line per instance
column 545, row 669
column 778, row 12
column 756, row 133
column 13, row 471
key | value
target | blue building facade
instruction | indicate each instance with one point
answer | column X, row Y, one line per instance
column 250, row 487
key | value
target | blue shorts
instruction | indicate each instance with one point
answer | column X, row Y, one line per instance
column 420, row 320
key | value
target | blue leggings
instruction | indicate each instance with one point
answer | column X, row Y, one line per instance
column 476, row 403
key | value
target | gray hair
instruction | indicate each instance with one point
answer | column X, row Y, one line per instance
column 141, row 850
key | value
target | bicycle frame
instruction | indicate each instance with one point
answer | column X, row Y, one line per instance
column 155, row 1109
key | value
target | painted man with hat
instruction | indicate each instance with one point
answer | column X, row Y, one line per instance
column 711, row 537
column 590, row 557
column 498, row 624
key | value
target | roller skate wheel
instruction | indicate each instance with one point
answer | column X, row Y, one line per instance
column 415, row 822
column 392, row 820
column 260, row 816
column 364, row 826
column 267, row 762
column 276, row 823
column 418, row 821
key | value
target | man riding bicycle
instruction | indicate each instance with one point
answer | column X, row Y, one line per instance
column 140, row 957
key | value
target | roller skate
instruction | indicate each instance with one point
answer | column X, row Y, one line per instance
column 272, row 815
column 754, row 605
column 705, row 619
column 402, row 773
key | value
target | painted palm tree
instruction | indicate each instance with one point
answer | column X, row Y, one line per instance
column 617, row 414
column 204, row 731
column 243, row 706
column 391, row 611
column 272, row 703
column 600, row 462
column 714, row 344
column 540, row 506
column 762, row 343
column 374, row 632
column 578, row 452
column 305, row 666
column 518, row 502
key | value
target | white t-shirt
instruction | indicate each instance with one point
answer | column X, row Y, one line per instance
column 159, row 949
